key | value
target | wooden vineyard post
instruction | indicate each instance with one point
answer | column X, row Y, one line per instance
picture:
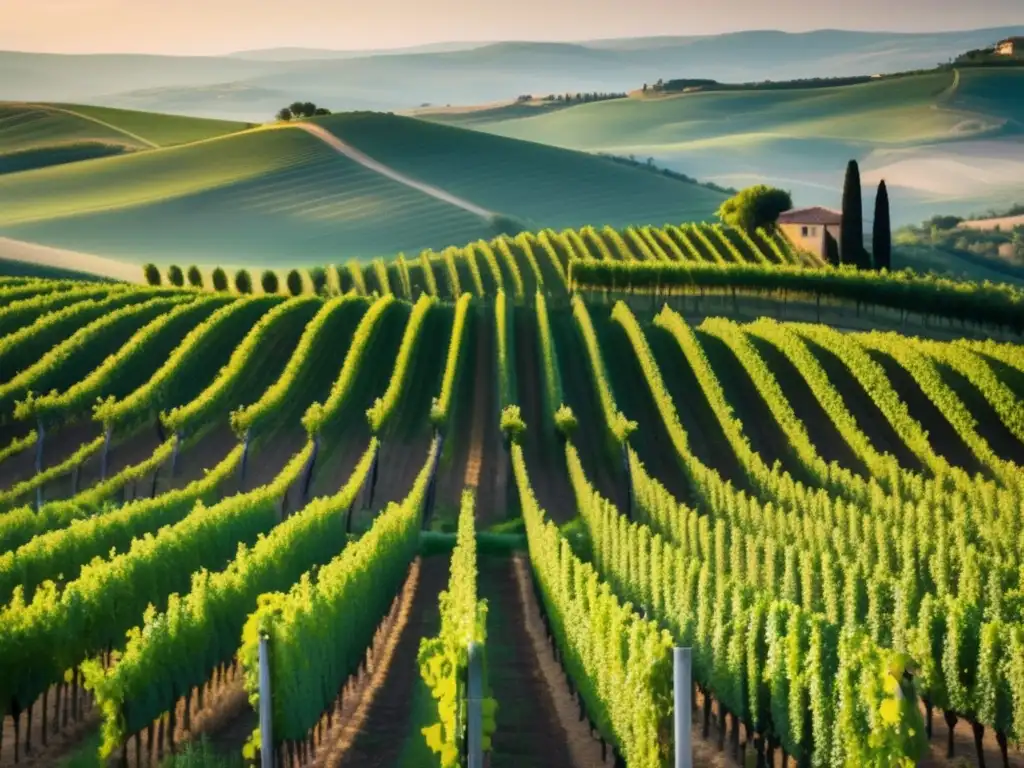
column 106, row 451
column 245, row 456
column 174, row 453
column 266, row 706
column 40, row 435
column 475, row 703
column 307, row 479
column 682, row 667
column 428, row 507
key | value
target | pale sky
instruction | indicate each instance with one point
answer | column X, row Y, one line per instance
column 220, row 26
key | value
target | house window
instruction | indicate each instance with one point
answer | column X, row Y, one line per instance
column 803, row 231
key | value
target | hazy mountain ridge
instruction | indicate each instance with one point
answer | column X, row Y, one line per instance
column 252, row 85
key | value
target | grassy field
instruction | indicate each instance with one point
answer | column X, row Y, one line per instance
column 31, row 126
column 537, row 184
column 282, row 197
column 945, row 139
column 40, row 135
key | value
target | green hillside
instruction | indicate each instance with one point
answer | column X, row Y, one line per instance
column 39, row 135
column 258, row 198
column 537, row 184
column 281, row 197
column 927, row 134
column 29, row 126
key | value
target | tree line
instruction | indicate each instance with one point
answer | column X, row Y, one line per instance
column 571, row 98
column 241, row 281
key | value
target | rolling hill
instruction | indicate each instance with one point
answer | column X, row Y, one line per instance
column 253, row 85
column 947, row 139
column 38, row 135
column 281, row 196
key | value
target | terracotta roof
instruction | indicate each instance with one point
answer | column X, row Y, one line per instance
column 814, row 215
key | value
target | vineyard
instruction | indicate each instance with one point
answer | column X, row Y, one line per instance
column 518, row 474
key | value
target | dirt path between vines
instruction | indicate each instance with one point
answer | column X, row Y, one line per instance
column 375, row 722
column 343, row 148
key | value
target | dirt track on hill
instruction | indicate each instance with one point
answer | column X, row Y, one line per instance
column 61, row 258
column 366, row 161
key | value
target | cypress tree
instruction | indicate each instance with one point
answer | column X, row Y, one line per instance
column 831, row 249
column 881, row 233
column 852, row 237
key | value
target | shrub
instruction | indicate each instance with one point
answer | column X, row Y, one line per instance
column 294, row 282
column 152, row 273
column 318, row 276
column 175, row 276
column 195, row 277
column 243, row 281
column 754, row 207
column 269, row 281
column 220, row 280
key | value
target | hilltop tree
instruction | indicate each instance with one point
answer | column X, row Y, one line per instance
column 300, row 109
column 243, row 281
column 754, row 207
column 318, row 276
column 175, row 276
column 881, row 232
column 269, row 281
column 152, row 273
column 294, row 282
column 195, row 277
column 852, row 236
column 220, row 280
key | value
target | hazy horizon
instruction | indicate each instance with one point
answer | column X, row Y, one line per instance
column 211, row 27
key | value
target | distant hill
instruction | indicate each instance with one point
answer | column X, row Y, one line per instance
column 252, row 85
column 280, row 196
column 312, row 54
column 39, row 135
column 950, row 140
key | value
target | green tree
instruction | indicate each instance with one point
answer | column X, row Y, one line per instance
column 318, row 276
column 152, row 273
column 831, row 249
column 754, row 207
column 195, row 277
column 881, row 231
column 175, row 276
column 220, row 280
column 851, row 239
column 284, row 114
column 269, row 281
column 243, row 281
column 294, row 282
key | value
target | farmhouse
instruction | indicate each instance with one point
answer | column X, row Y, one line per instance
column 806, row 227
column 1011, row 46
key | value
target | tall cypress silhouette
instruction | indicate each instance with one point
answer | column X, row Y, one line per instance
column 881, row 232
column 851, row 239
column 831, row 249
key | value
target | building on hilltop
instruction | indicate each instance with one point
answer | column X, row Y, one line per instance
column 1011, row 46
column 806, row 227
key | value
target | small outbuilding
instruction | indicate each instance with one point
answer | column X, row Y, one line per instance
column 1011, row 46
column 806, row 227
